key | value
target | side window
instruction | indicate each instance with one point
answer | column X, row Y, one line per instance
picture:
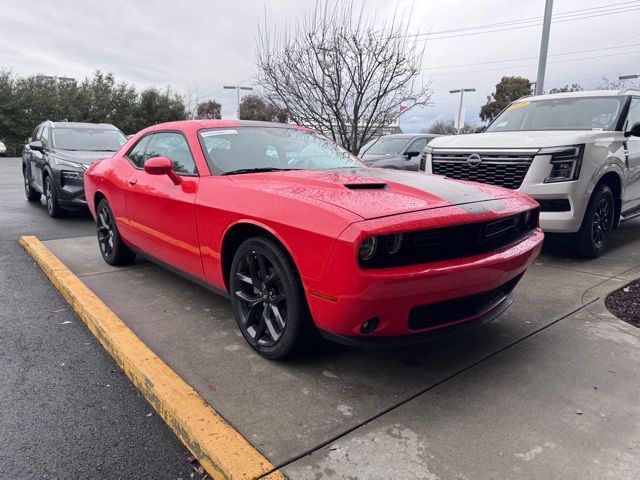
column 44, row 137
column 36, row 133
column 418, row 145
column 633, row 116
column 174, row 146
column 136, row 154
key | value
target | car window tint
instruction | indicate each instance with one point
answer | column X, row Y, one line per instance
column 633, row 116
column 174, row 146
column 418, row 145
column 137, row 155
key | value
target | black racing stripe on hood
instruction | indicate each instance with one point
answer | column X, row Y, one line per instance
column 454, row 192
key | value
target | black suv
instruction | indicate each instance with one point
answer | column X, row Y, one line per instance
column 399, row 151
column 56, row 156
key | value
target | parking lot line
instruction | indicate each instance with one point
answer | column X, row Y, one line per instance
column 220, row 449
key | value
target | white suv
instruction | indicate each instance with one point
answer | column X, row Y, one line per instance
column 577, row 154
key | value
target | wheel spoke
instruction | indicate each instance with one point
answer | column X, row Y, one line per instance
column 278, row 316
column 272, row 331
column 243, row 278
column 253, row 271
column 262, row 268
column 271, row 278
column 251, row 300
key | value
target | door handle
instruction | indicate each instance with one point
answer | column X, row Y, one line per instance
column 133, row 181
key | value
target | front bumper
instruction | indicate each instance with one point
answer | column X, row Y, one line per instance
column 559, row 222
column 391, row 294
column 70, row 190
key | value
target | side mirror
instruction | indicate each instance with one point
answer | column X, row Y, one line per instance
column 411, row 154
column 36, row 146
column 162, row 166
column 634, row 132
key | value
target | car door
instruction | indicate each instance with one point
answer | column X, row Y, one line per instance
column 41, row 157
column 161, row 216
column 632, row 149
column 411, row 160
column 33, row 157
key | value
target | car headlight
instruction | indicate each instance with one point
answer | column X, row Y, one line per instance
column 566, row 162
column 379, row 250
column 368, row 248
column 425, row 158
column 65, row 163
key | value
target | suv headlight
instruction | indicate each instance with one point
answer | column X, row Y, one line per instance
column 66, row 163
column 565, row 162
column 425, row 157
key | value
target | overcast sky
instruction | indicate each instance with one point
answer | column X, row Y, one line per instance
column 203, row 45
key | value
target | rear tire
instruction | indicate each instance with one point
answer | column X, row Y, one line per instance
column 32, row 194
column 268, row 299
column 112, row 248
column 597, row 224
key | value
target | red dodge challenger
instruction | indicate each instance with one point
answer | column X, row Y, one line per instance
column 302, row 236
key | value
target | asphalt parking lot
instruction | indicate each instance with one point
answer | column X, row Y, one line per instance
column 547, row 391
column 67, row 410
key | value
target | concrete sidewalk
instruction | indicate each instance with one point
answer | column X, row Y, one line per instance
column 494, row 403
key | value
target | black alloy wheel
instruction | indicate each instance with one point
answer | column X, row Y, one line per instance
column 32, row 194
column 267, row 298
column 114, row 251
column 593, row 236
column 601, row 224
column 51, row 199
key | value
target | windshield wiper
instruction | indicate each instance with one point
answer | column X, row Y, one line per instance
column 258, row 170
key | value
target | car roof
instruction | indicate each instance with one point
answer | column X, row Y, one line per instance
column 409, row 135
column 99, row 126
column 583, row 93
column 195, row 125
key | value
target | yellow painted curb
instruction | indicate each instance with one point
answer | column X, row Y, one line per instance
column 220, row 449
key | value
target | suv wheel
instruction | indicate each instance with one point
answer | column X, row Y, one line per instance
column 268, row 299
column 597, row 223
column 51, row 199
column 114, row 251
column 32, row 194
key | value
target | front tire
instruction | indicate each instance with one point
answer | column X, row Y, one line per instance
column 51, row 199
column 268, row 299
column 597, row 224
column 32, row 194
column 113, row 250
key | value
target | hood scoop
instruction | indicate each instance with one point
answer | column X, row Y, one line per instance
column 366, row 186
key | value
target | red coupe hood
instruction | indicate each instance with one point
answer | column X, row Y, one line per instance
column 373, row 192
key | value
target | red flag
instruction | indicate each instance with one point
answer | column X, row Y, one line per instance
column 403, row 108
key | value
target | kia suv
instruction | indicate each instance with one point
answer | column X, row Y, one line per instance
column 576, row 153
column 56, row 156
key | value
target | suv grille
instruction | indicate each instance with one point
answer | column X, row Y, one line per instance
column 504, row 168
column 436, row 314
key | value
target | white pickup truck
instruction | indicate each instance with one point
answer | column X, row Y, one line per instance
column 577, row 154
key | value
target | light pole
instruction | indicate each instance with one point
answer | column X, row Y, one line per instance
column 237, row 88
column 461, row 92
column 544, row 47
column 624, row 78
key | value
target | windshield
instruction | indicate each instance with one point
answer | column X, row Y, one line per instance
column 88, row 139
column 577, row 113
column 387, row 146
column 231, row 149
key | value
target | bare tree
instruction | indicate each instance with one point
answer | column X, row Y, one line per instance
column 617, row 84
column 341, row 73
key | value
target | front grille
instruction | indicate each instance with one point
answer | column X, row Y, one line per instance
column 504, row 168
column 461, row 241
column 437, row 314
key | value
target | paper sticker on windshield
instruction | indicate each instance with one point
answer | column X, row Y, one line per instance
column 518, row 105
column 224, row 131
